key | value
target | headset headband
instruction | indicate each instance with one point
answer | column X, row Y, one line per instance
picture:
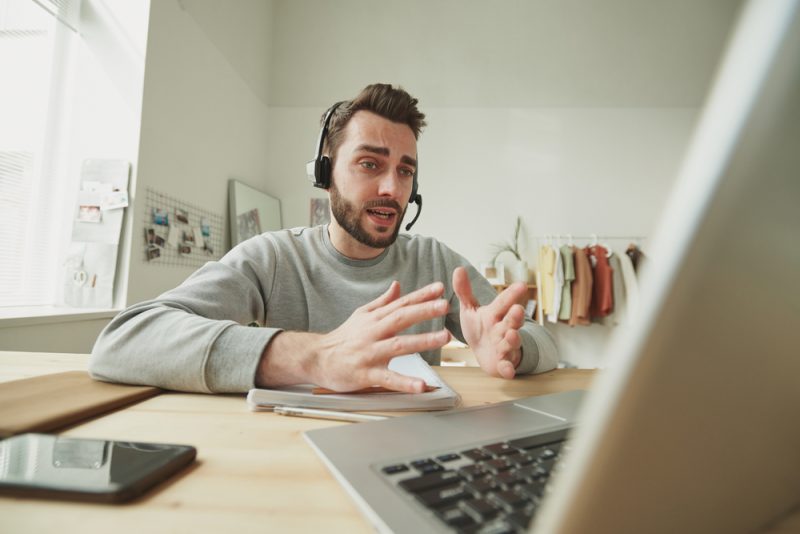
column 319, row 169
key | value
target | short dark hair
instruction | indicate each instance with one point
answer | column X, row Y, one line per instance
column 392, row 103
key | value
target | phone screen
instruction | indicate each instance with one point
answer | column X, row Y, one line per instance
column 43, row 465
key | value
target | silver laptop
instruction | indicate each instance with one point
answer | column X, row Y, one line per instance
column 695, row 425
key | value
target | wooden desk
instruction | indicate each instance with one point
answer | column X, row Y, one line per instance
column 254, row 471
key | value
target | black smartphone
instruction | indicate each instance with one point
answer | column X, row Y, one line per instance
column 57, row 467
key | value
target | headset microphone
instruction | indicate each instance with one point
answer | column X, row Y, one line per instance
column 418, row 201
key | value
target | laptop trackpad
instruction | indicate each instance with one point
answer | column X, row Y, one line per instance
column 502, row 418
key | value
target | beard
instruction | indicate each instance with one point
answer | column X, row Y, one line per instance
column 349, row 217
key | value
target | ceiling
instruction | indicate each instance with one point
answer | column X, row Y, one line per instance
column 474, row 53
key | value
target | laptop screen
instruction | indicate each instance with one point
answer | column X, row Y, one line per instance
column 695, row 429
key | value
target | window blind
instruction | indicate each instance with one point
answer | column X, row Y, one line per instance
column 32, row 202
column 66, row 11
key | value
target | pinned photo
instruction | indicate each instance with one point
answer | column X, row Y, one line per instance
column 160, row 217
column 182, row 216
column 188, row 237
column 115, row 200
column 205, row 228
column 153, row 253
column 90, row 214
column 172, row 236
column 159, row 241
column 150, row 236
column 185, row 250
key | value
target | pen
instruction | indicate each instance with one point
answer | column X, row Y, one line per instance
column 326, row 414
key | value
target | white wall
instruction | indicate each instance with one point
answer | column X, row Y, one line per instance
column 571, row 114
column 577, row 171
column 500, row 53
column 202, row 122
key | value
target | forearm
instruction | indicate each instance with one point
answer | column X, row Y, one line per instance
column 192, row 337
column 289, row 358
column 167, row 346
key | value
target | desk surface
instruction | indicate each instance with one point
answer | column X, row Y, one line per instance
column 254, row 472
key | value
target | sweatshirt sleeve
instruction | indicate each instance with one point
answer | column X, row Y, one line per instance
column 194, row 338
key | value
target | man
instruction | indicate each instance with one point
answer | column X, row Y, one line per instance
column 329, row 298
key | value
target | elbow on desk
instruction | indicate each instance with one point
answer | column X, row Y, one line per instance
column 101, row 361
column 548, row 356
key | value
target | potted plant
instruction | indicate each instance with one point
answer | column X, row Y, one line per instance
column 521, row 271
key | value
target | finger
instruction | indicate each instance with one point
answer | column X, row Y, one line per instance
column 506, row 369
column 423, row 294
column 387, row 349
column 402, row 318
column 515, row 317
column 504, row 301
column 388, row 296
column 395, row 381
column 511, row 323
column 463, row 289
column 512, row 340
column 506, row 345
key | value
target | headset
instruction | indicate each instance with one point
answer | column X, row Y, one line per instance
column 320, row 168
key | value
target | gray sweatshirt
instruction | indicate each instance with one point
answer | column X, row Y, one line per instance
column 195, row 338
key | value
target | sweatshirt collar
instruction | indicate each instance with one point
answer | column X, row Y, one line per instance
column 341, row 258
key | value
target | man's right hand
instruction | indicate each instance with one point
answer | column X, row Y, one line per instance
column 356, row 354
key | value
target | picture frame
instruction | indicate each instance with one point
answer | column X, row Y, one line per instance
column 495, row 273
column 251, row 212
column 320, row 211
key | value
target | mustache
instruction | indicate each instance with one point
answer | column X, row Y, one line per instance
column 383, row 203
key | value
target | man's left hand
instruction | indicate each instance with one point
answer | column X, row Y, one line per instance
column 492, row 331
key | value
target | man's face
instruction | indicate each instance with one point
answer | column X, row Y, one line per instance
column 373, row 176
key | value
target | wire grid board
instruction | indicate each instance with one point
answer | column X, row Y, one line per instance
column 170, row 228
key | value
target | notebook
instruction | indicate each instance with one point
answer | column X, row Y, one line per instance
column 693, row 427
column 440, row 397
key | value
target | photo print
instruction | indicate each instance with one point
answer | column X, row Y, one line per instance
column 182, row 216
column 89, row 213
column 160, row 217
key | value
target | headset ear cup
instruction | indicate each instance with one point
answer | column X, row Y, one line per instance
column 324, row 176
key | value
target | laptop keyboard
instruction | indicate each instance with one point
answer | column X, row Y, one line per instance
column 493, row 488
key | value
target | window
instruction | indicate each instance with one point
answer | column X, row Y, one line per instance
column 35, row 204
